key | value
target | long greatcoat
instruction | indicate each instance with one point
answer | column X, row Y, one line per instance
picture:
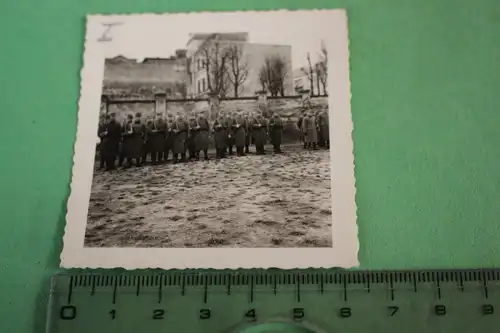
column 220, row 134
column 299, row 126
column 101, row 129
column 192, row 133
column 239, row 133
column 110, row 140
column 276, row 131
column 230, row 131
column 309, row 129
column 201, row 139
column 324, row 126
column 133, row 142
column 126, row 139
column 259, row 132
column 156, row 135
column 248, row 131
column 169, row 136
column 299, row 123
column 180, row 131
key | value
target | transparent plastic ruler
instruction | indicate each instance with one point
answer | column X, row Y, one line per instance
column 277, row 301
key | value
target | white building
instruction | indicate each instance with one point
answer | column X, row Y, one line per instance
column 251, row 58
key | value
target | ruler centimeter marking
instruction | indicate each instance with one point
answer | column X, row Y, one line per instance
column 252, row 280
column 387, row 301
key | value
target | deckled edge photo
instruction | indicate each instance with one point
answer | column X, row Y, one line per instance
column 344, row 252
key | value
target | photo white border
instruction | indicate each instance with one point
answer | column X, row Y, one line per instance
column 343, row 253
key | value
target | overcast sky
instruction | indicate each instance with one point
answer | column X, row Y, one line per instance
column 303, row 30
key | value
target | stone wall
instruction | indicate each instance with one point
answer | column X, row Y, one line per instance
column 286, row 107
column 238, row 105
column 122, row 110
column 188, row 107
column 289, row 108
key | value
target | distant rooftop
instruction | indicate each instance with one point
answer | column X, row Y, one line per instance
column 120, row 59
column 233, row 36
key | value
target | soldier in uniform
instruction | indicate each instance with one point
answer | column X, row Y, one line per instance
column 299, row 125
column 202, row 136
column 324, row 126
column 140, row 127
column 220, row 136
column 276, row 132
column 259, row 133
column 136, row 133
column 126, row 139
column 239, row 134
column 156, row 138
column 321, row 139
column 161, row 126
column 169, row 136
column 121, row 151
column 179, row 131
column 192, row 132
column 103, row 121
column 146, row 147
column 248, row 131
column 110, row 139
column 230, row 133
column 309, row 130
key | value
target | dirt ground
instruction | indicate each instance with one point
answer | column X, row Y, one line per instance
column 252, row 201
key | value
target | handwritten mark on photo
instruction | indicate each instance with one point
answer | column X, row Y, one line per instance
column 106, row 35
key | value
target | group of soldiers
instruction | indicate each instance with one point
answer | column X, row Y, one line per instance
column 315, row 129
column 186, row 138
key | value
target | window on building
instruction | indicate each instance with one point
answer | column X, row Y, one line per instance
column 199, row 86
column 203, row 84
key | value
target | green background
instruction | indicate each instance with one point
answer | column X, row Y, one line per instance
column 425, row 103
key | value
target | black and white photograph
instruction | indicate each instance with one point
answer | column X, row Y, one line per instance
column 213, row 131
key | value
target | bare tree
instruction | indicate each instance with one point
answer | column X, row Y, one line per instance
column 272, row 75
column 318, row 87
column 263, row 77
column 238, row 68
column 322, row 67
column 215, row 64
column 309, row 72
